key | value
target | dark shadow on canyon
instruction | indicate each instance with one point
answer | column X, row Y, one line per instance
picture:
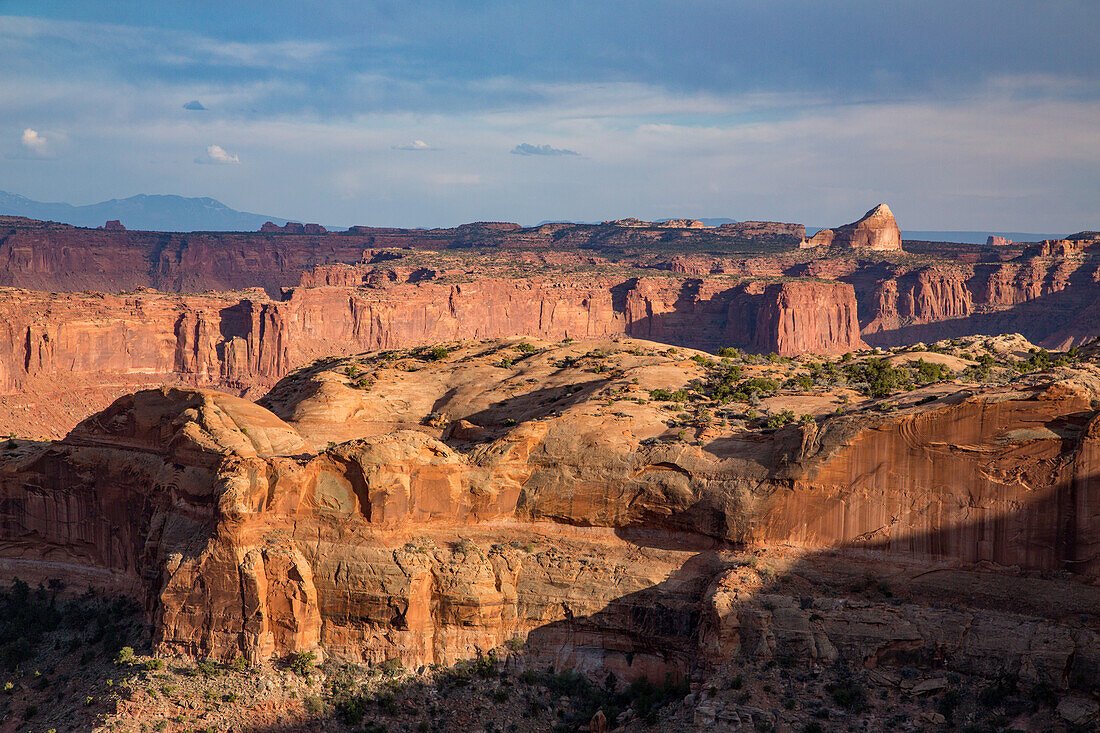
column 527, row 405
column 1037, row 319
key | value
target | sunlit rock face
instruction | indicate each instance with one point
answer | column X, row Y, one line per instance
column 429, row 508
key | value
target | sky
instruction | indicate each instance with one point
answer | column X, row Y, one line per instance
column 976, row 115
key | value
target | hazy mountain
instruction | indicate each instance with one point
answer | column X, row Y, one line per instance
column 156, row 213
column 975, row 237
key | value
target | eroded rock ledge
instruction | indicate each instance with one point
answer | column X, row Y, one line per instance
column 428, row 506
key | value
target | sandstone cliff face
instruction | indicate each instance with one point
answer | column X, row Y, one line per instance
column 970, row 289
column 560, row 519
column 246, row 342
column 808, row 317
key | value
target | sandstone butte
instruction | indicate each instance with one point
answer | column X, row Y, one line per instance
column 877, row 231
column 429, row 506
column 237, row 311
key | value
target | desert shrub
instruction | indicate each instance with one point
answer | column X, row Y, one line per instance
column 392, row 667
column 1000, row 690
column 881, row 379
column 928, row 373
column 848, row 694
column 302, row 663
column 754, row 387
column 780, row 419
column 438, row 353
column 351, row 709
column 208, row 668
column 947, row 703
column 664, row 395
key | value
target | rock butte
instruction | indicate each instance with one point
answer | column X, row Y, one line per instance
column 428, row 508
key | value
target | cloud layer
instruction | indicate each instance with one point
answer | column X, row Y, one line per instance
column 414, row 145
column 529, row 149
column 978, row 115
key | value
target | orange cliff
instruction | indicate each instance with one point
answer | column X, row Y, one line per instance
column 241, row 535
column 246, row 341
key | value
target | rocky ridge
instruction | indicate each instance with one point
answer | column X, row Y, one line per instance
column 608, row 506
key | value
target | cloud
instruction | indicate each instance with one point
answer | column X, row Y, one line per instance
column 35, row 143
column 529, row 149
column 217, row 155
column 195, row 105
column 414, row 145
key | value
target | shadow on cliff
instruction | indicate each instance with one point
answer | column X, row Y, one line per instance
column 526, row 406
column 658, row 632
column 725, row 318
column 1037, row 319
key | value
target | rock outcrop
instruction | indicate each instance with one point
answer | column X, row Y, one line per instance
column 343, row 515
column 876, row 231
column 822, row 238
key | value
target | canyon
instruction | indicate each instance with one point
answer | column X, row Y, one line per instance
column 632, row 450
column 237, row 311
column 546, row 497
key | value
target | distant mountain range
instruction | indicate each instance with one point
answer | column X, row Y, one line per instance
column 167, row 213
column 155, row 213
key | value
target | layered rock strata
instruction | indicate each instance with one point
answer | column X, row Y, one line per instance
column 431, row 508
column 247, row 340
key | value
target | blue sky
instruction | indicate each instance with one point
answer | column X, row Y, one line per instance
column 961, row 115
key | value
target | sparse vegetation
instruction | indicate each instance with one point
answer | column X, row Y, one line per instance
column 302, row 663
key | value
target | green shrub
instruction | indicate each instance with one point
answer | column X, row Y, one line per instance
column 780, row 419
column 302, row 663
column 392, row 667
column 664, row 395
column 314, row 705
column 208, row 668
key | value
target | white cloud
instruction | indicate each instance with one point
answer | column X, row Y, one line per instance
column 217, row 155
column 414, row 145
column 35, row 143
column 529, row 149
